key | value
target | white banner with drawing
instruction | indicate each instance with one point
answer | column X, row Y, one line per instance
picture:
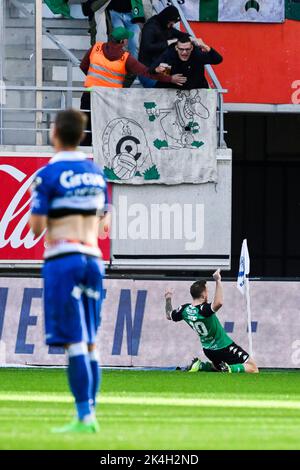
column 143, row 136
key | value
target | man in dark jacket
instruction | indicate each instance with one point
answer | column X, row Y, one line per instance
column 157, row 34
column 188, row 58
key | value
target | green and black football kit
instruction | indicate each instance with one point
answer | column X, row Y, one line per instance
column 217, row 345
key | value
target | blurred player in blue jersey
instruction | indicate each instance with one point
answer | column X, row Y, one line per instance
column 69, row 199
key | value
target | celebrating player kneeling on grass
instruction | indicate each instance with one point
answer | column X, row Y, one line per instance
column 224, row 354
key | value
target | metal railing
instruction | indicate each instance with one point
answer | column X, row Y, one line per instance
column 47, row 113
column 71, row 58
column 39, row 109
column 22, row 8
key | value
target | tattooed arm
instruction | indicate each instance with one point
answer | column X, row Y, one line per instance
column 169, row 308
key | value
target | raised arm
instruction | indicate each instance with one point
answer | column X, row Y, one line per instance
column 208, row 54
column 169, row 308
column 218, row 299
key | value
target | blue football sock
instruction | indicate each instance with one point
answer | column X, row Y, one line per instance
column 96, row 374
column 80, row 379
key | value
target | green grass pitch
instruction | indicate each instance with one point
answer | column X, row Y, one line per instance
column 154, row 410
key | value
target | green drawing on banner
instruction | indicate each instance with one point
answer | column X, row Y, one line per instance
column 197, row 144
column 192, row 124
column 160, row 144
column 110, row 174
column 149, row 105
column 152, row 173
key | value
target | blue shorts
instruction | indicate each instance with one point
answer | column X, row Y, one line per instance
column 73, row 294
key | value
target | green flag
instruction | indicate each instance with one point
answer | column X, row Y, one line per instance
column 59, row 7
column 137, row 10
column 292, row 9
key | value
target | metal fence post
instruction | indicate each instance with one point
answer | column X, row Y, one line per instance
column 221, row 144
column 69, row 83
column 38, row 70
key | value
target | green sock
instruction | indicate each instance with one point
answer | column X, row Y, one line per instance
column 235, row 368
column 206, row 367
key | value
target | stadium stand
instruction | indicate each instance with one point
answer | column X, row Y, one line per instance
column 64, row 42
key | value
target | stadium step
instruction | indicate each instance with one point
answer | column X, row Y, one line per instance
column 70, row 41
column 58, row 73
column 13, row 37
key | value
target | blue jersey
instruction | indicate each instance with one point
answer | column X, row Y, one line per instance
column 73, row 294
column 70, row 184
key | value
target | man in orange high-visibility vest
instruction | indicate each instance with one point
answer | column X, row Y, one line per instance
column 107, row 64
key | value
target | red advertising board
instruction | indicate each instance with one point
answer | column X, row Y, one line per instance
column 261, row 61
column 17, row 242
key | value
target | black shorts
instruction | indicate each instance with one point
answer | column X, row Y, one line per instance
column 232, row 354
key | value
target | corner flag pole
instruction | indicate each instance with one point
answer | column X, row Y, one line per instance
column 249, row 316
column 244, row 287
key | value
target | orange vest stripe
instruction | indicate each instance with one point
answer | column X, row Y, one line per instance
column 103, row 72
column 117, row 81
column 104, row 69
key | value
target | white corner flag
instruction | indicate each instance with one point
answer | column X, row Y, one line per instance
column 244, row 288
column 244, row 268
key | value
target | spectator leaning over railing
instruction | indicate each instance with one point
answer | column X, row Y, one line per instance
column 188, row 58
column 106, row 65
column 157, row 34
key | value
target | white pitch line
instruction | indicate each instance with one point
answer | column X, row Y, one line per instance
column 158, row 401
column 201, row 402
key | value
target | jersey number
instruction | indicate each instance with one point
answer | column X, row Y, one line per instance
column 200, row 328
